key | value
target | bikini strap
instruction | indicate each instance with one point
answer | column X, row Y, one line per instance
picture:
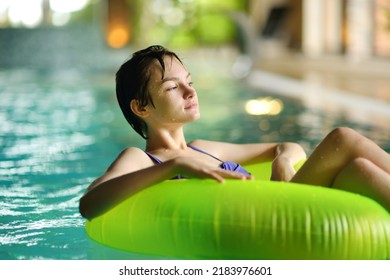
column 154, row 158
column 157, row 160
column 206, row 153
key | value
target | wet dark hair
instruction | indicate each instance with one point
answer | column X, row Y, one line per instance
column 132, row 81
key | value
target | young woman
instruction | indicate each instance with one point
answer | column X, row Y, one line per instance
column 157, row 97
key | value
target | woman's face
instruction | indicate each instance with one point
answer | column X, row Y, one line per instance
column 174, row 98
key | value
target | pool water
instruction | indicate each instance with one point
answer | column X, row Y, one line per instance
column 61, row 129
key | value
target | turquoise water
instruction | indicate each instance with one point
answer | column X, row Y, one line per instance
column 60, row 130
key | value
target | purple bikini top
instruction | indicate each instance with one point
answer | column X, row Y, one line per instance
column 226, row 165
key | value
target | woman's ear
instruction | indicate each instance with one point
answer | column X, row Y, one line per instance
column 137, row 109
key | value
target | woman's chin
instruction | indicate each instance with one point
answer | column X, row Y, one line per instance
column 196, row 117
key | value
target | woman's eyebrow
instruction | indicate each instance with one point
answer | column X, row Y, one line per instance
column 173, row 78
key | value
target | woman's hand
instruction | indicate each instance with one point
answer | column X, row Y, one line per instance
column 195, row 168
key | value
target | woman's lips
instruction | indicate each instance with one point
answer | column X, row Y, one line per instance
column 191, row 105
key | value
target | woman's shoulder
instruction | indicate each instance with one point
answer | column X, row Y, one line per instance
column 132, row 151
column 131, row 156
column 129, row 160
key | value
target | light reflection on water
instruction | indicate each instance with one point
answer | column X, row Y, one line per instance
column 55, row 139
column 59, row 131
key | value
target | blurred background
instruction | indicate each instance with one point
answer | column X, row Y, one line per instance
column 356, row 29
column 342, row 44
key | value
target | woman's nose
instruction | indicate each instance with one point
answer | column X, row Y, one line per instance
column 189, row 91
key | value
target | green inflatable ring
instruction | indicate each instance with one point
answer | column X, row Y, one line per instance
column 258, row 219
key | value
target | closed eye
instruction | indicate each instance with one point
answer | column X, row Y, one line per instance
column 172, row 88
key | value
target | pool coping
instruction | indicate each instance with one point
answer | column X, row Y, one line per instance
column 358, row 108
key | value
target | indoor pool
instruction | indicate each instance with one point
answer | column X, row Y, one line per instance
column 61, row 129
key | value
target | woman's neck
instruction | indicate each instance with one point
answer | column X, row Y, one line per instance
column 166, row 140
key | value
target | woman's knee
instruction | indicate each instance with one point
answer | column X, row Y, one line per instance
column 345, row 137
column 343, row 133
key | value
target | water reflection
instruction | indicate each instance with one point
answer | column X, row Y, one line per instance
column 47, row 127
column 264, row 106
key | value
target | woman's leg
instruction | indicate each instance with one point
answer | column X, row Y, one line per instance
column 338, row 160
column 335, row 152
column 363, row 177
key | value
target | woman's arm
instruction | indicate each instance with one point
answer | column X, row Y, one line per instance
column 283, row 155
column 133, row 171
